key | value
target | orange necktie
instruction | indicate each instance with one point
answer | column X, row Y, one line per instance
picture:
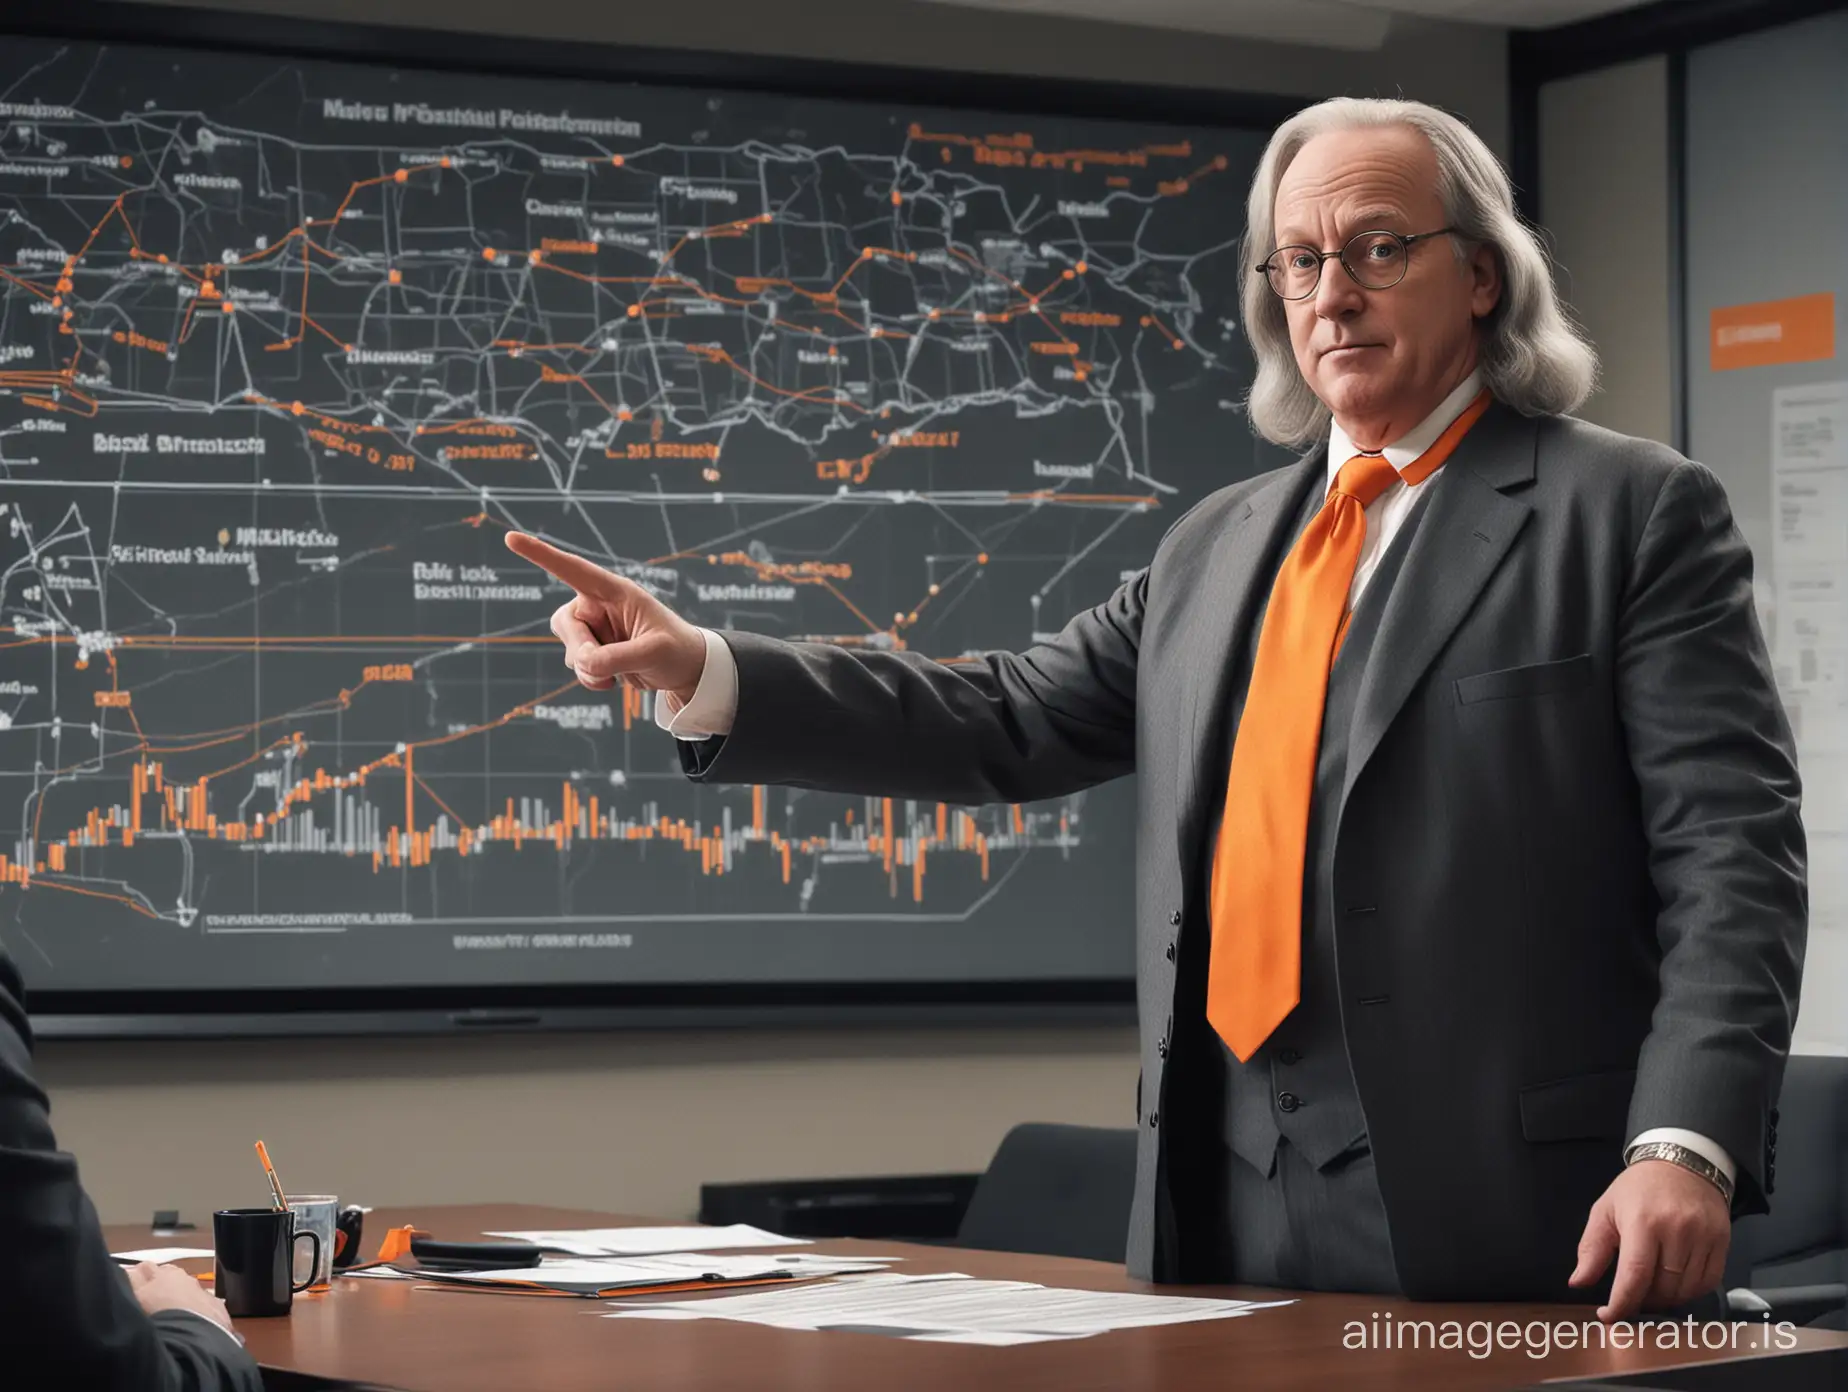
column 1255, row 965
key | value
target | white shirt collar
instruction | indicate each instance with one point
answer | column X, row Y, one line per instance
column 1415, row 441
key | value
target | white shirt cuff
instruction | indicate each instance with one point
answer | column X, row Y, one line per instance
column 1694, row 1141
column 715, row 700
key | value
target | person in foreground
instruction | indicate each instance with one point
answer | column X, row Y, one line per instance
column 1471, row 897
column 69, row 1316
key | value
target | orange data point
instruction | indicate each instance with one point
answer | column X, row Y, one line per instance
column 488, row 253
column 401, row 175
column 897, row 198
column 395, row 276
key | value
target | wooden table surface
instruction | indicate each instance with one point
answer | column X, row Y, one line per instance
column 396, row 1335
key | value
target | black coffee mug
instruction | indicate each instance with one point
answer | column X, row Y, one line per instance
column 255, row 1251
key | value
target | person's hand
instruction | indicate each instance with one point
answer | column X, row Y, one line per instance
column 159, row 1287
column 1669, row 1230
column 615, row 629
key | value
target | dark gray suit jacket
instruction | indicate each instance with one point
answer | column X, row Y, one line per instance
column 1569, row 873
column 67, row 1318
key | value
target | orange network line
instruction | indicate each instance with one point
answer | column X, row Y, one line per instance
column 254, row 640
column 209, row 290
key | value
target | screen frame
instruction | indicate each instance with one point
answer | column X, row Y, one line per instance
column 323, row 1011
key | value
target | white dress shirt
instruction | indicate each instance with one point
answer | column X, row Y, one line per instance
column 1387, row 513
column 715, row 700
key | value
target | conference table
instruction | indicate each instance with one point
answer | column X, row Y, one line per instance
column 413, row 1338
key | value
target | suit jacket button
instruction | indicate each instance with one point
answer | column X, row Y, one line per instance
column 1175, row 918
column 1154, row 1118
column 1289, row 1101
column 1170, row 952
column 1288, row 1056
column 1161, row 1048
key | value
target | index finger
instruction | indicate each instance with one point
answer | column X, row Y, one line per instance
column 1636, row 1268
column 580, row 574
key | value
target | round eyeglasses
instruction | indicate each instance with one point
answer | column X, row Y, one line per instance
column 1374, row 260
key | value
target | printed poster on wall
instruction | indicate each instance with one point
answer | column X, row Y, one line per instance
column 1809, row 644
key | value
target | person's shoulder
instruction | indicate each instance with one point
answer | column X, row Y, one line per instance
column 1594, row 451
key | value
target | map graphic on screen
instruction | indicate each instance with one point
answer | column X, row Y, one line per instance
column 286, row 347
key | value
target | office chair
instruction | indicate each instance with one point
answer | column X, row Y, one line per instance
column 1061, row 1191
column 1792, row 1263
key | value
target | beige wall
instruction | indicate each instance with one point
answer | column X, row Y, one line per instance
column 626, row 1122
column 635, row 1122
column 1604, row 198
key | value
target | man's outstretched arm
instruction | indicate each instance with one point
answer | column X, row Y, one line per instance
column 1001, row 727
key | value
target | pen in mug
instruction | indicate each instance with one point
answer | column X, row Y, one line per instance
column 270, row 1170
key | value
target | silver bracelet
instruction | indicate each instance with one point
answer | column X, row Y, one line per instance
column 1677, row 1154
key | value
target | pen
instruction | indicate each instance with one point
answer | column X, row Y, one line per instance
column 270, row 1170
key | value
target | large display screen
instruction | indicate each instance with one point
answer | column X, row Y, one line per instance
column 286, row 347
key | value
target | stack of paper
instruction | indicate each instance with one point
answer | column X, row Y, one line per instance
column 591, row 1275
column 636, row 1242
column 949, row 1308
column 163, row 1254
column 594, row 1276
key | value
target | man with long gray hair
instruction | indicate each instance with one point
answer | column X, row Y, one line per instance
column 1471, row 897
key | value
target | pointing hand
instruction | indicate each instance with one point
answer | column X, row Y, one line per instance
column 616, row 629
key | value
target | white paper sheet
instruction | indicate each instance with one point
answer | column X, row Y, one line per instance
column 948, row 1307
column 163, row 1254
column 635, row 1242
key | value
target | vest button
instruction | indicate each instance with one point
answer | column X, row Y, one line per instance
column 1288, row 1056
column 1154, row 1118
column 1289, row 1101
column 1170, row 952
column 1161, row 1048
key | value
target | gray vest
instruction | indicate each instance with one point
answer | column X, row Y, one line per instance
column 1299, row 1084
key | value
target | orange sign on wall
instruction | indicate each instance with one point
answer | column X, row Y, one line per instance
column 1774, row 331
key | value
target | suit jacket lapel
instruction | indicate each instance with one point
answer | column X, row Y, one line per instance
column 1233, row 584
column 1468, row 526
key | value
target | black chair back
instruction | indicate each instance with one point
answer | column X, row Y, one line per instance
column 1061, row 1191
column 1793, row 1255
